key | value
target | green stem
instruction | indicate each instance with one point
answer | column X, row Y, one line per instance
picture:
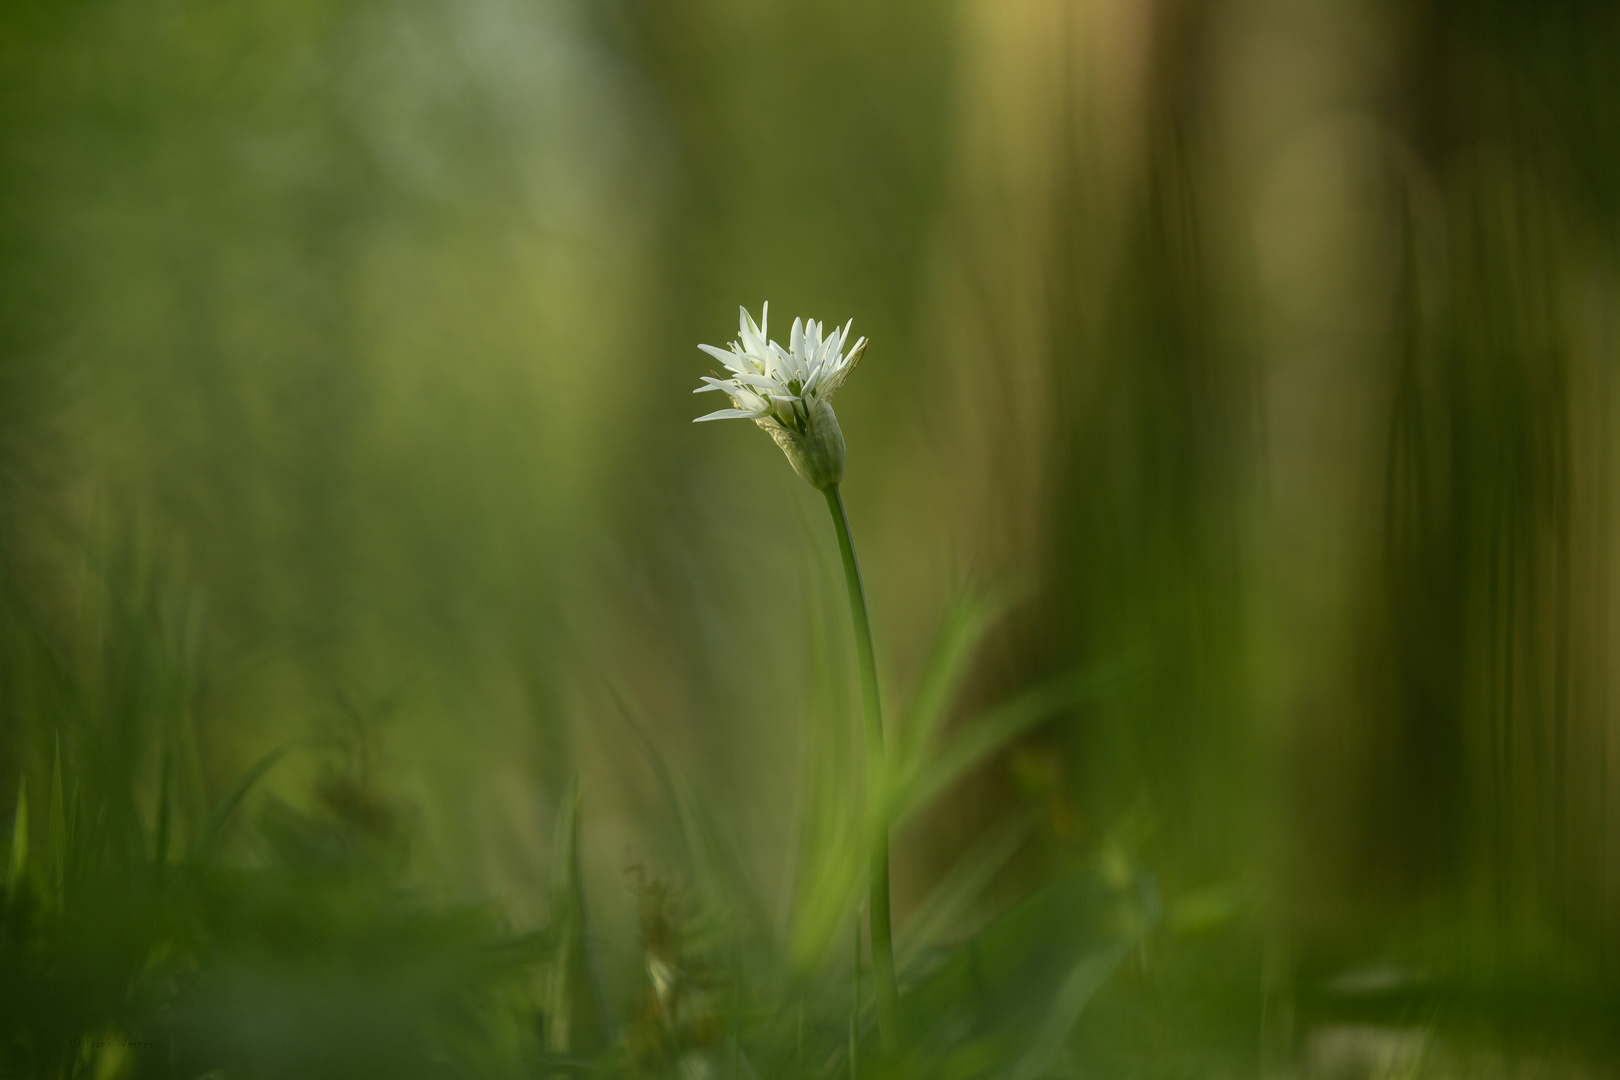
column 888, row 994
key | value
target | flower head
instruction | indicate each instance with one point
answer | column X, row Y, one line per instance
column 788, row 392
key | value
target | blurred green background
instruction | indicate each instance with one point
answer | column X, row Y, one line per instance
column 1263, row 354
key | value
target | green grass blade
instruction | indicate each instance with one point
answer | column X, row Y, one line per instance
column 1077, row 989
column 967, row 619
column 716, row 869
column 208, row 839
column 828, row 867
column 950, row 901
column 994, row 729
column 577, row 1017
column 59, row 830
column 855, row 1008
column 160, row 846
column 19, row 839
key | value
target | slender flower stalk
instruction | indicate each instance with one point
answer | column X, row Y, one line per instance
column 788, row 392
column 888, row 991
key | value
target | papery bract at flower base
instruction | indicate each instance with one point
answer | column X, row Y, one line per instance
column 788, row 392
column 818, row 454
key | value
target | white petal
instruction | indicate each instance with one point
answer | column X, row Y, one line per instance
column 763, row 382
column 836, row 378
column 826, row 348
column 783, row 367
column 753, row 340
column 740, row 396
column 737, row 388
column 725, row 414
column 792, row 368
column 722, row 355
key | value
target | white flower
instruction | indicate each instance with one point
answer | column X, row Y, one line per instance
column 788, row 392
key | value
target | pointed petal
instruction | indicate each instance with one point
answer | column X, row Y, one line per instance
column 763, row 382
column 738, row 387
column 725, row 414
column 825, row 350
column 723, row 355
column 753, row 336
column 799, row 368
column 836, row 377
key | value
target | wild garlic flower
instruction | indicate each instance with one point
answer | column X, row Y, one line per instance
column 788, row 392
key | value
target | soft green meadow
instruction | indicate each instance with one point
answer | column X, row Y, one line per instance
column 395, row 682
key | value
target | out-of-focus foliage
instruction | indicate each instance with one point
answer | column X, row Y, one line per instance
column 393, row 681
